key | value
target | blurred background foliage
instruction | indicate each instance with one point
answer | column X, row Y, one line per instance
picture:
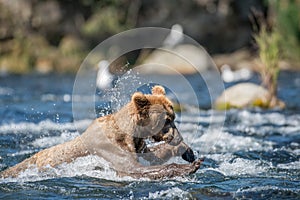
column 54, row 36
column 287, row 23
column 278, row 39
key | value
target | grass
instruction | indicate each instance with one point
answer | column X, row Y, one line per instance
column 287, row 18
column 269, row 54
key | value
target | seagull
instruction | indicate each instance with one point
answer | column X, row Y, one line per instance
column 175, row 36
column 104, row 77
column 233, row 76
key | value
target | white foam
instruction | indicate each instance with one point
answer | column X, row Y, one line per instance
column 23, row 152
column 6, row 91
column 45, row 142
column 173, row 192
column 240, row 166
column 230, row 165
column 261, row 189
column 220, row 157
column 86, row 166
column 91, row 166
column 296, row 151
column 210, row 117
column 25, row 127
column 219, row 141
column 275, row 118
column 195, row 118
column 288, row 130
column 188, row 127
column 81, row 166
column 268, row 130
column 291, row 165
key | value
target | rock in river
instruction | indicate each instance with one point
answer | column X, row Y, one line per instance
column 246, row 95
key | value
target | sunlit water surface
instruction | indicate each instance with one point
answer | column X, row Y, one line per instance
column 255, row 155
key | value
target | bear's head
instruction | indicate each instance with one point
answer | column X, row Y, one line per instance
column 155, row 119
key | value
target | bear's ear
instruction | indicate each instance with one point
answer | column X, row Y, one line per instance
column 158, row 90
column 139, row 100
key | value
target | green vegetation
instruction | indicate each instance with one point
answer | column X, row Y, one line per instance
column 255, row 103
column 58, row 42
column 268, row 43
column 278, row 39
column 224, row 106
column 287, row 21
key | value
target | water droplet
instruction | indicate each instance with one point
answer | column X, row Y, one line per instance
column 57, row 117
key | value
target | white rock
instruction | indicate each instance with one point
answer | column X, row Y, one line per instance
column 244, row 95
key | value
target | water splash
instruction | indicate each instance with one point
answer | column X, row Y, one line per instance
column 171, row 193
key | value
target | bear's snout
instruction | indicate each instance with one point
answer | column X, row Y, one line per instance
column 188, row 155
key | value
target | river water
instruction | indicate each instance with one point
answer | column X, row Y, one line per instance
column 255, row 155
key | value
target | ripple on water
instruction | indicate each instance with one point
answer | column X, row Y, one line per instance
column 268, row 192
column 46, row 142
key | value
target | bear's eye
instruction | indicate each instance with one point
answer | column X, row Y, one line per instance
column 165, row 129
column 168, row 121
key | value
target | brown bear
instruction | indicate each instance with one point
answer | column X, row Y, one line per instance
column 120, row 139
